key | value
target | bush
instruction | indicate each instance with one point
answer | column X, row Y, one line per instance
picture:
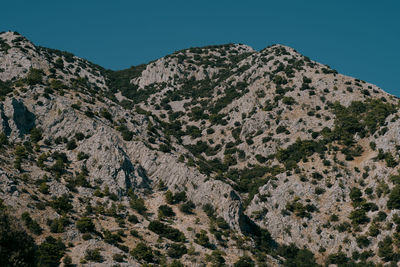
column 50, row 252
column 93, row 255
column 3, row 139
column 187, row 207
column 85, row 225
column 165, row 211
column 202, row 239
column 61, row 204
column 386, row 249
column 359, row 216
column 35, row 76
column 105, row 114
column 31, row 224
column 138, row 205
column 143, row 253
column 133, row 219
column 301, row 149
column 209, row 210
column 176, row 263
column 17, row 248
column 118, row 257
column 57, row 225
column 71, row 144
column 171, row 198
column 166, row 231
column 244, row 261
column 394, row 198
column 36, row 135
column 176, row 250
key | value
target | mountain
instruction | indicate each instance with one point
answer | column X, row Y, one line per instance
column 217, row 155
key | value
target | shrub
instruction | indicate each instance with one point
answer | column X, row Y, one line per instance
column 363, row 241
column 17, row 248
column 216, row 258
column 301, row 149
column 297, row 257
column 105, row 114
column 118, row 257
column 61, row 204
column 31, row 224
column 93, row 255
column 85, row 225
column 338, row 258
column 202, row 239
column 394, row 198
column 137, row 204
column 187, row 207
column 386, row 249
column 57, row 225
column 36, row 135
column 176, row 250
column 44, row 188
column 244, row 261
column 176, row 263
column 358, row 216
column 82, row 155
column 133, row 218
column 165, row 211
column 71, row 144
column 3, row 139
column 34, row 76
column 176, row 198
column 209, row 210
column 166, row 231
column 143, row 253
column 50, row 252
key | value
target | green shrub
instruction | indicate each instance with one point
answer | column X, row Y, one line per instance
column 50, row 252
column 118, row 257
column 35, row 76
column 244, row 261
column 301, row 149
column 385, row 250
column 394, row 198
column 187, row 207
column 44, row 188
column 176, row 250
column 31, row 224
column 57, row 225
column 142, row 253
column 36, row 135
column 71, row 144
column 85, row 225
column 17, row 248
column 176, row 263
column 165, row 211
column 137, row 204
column 166, row 231
column 296, row 257
column 105, row 114
column 358, row 216
column 133, row 218
column 93, row 255
column 61, row 204
column 202, row 239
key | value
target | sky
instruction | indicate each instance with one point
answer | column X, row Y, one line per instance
column 359, row 38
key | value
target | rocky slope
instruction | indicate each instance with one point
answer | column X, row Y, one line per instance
column 219, row 155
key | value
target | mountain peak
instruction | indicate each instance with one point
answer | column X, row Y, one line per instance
column 208, row 153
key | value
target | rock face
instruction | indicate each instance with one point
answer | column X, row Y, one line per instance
column 207, row 154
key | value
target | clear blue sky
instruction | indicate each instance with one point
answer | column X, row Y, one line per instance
column 357, row 38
